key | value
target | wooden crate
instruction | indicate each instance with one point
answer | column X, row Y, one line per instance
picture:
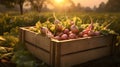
column 67, row 52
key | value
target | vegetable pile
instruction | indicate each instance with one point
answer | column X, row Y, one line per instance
column 7, row 44
column 71, row 28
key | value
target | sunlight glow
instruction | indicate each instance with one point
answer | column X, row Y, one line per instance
column 59, row 1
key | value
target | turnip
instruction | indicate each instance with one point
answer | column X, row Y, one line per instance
column 57, row 37
column 85, row 35
column 59, row 27
column 85, row 31
column 97, row 33
column 59, row 33
column 70, row 32
column 91, row 33
column 91, row 27
column 74, row 29
column 56, row 21
column 64, row 37
column 49, row 34
column 72, row 22
column 80, row 34
column 72, row 36
column 44, row 30
column 66, row 31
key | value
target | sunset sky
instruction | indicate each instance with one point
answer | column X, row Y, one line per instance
column 89, row 3
column 84, row 3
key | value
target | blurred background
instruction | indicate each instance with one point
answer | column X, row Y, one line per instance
column 60, row 5
column 23, row 13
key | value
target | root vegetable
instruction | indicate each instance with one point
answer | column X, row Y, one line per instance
column 64, row 37
column 66, row 31
column 74, row 29
column 72, row 36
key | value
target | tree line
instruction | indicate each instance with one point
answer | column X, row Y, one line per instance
column 110, row 6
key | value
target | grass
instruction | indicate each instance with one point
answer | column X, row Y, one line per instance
column 30, row 18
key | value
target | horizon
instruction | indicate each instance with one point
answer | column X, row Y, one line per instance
column 85, row 3
column 91, row 4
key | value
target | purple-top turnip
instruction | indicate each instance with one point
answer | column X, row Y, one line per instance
column 74, row 29
column 64, row 37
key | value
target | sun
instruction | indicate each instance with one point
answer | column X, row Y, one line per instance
column 59, row 1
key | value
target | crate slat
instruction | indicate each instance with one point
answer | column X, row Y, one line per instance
column 39, row 53
column 81, row 57
column 68, row 52
column 38, row 40
column 84, row 44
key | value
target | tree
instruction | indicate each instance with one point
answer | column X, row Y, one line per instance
column 94, row 8
column 101, row 7
column 12, row 3
column 37, row 4
column 88, row 9
column 8, row 3
column 72, row 5
column 113, row 6
column 20, row 2
column 78, row 6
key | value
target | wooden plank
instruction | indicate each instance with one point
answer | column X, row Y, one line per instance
column 52, row 54
column 57, row 54
column 39, row 40
column 73, row 59
column 84, row 44
column 22, row 34
column 73, row 52
column 113, row 46
column 42, row 55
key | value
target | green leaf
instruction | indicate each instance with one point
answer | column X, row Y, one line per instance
column 38, row 25
column 29, row 64
column 3, row 50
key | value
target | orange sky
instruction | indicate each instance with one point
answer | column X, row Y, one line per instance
column 85, row 3
column 89, row 3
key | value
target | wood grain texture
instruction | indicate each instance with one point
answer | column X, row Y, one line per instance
column 67, row 52
column 44, row 56
column 39, row 40
column 84, row 44
column 73, row 59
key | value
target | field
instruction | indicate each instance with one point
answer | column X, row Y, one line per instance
column 12, row 20
column 10, row 23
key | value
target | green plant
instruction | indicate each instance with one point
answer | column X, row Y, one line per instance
column 71, row 28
